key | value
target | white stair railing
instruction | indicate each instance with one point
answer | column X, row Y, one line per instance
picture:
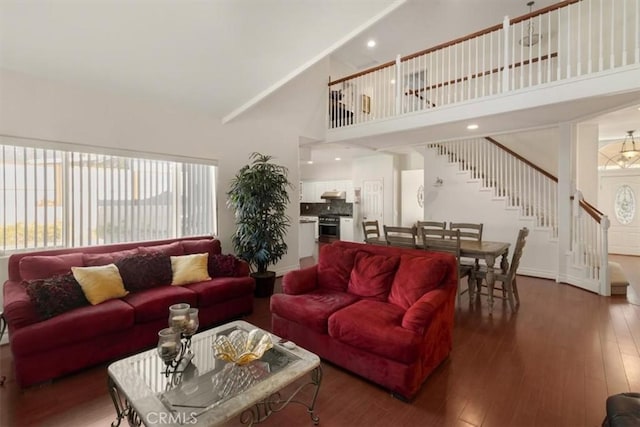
column 521, row 183
column 589, row 243
column 564, row 41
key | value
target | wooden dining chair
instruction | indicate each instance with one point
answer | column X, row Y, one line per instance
column 448, row 241
column 371, row 231
column 468, row 230
column 507, row 279
column 401, row 236
column 428, row 226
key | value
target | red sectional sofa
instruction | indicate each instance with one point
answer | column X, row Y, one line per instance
column 382, row 312
column 92, row 334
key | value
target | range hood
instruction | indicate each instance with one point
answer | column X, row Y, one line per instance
column 334, row 195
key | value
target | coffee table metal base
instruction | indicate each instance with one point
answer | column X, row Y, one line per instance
column 275, row 403
column 123, row 408
column 254, row 415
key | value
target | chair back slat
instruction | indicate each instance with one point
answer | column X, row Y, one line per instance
column 401, row 236
column 430, row 226
column 468, row 231
column 371, row 230
column 517, row 252
column 442, row 241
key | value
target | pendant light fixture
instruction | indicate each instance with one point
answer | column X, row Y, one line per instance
column 532, row 38
column 629, row 151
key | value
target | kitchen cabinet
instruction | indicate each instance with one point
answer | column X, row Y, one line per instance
column 306, row 242
column 307, row 192
column 311, row 191
column 315, row 224
column 346, row 229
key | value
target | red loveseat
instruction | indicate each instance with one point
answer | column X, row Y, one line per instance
column 382, row 312
column 92, row 334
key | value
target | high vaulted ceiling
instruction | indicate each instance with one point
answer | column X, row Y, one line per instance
column 212, row 55
column 219, row 56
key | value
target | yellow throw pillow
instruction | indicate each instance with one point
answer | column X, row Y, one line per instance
column 100, row 283
column 189, row 269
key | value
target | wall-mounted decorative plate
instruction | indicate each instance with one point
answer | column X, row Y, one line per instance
column 420, row 196
column 624, row 205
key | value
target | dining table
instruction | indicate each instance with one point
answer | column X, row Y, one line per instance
column 486, row 250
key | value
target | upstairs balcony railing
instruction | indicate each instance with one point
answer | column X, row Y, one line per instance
column 561, row 42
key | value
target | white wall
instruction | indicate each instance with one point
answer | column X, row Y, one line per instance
column 587, row 161
column 410, row 209
column 327, row 171
column 539, row 147
column 623, row 238
column 35, row 108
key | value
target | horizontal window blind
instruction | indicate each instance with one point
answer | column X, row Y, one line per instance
column 59, row 198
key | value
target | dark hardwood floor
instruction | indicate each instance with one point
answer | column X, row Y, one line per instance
column 553, row 363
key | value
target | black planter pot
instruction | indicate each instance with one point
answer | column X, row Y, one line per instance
column 264, row 283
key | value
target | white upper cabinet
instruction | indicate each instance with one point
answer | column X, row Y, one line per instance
column 311, row 191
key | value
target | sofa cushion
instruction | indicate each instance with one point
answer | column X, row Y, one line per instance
column 43, row 266
column 91, row 260
column 171, row 249
column 152, row 304
column 334, row 267
column 415, row 276
column 372, row 275
column 100, row 283
column 375, row 326
column 311, row 309
column 83, row 323
column 222, row 265
column 221, row 289
column 143, row 271
column 210, row 246
column 189, row 269
column 55, row 295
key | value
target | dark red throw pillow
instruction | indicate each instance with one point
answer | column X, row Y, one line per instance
column 334, row 267
column 222, row 265
column 372, row 275
column 55, row 295
column 144, row 271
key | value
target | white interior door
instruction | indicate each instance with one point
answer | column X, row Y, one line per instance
column 372, row 201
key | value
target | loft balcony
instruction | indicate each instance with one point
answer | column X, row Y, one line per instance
column 560, row 63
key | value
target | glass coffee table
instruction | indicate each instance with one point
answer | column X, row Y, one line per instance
column 208, row 391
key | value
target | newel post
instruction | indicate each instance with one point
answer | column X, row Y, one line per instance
column 505, row 58
column 399, row 85
column 605, row 283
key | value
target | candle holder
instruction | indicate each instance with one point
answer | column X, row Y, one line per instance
column 169, row 349
column 174, row 343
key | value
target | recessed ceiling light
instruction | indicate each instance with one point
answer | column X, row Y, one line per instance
column 309, row 162
column 371, row 43
column 473, row 126
column 338, row 158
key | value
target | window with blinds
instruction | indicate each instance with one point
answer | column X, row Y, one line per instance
column 61, row 198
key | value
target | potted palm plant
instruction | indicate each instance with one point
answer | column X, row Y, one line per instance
column 258, row 196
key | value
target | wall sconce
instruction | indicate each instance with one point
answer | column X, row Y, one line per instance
column 438, row 182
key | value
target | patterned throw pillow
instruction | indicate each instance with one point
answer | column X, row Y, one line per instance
column 55, row 295
column 222, row 265
column 144, row 271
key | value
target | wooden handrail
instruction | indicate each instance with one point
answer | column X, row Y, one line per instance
column 592, row 211
column 362, row 73
column 458, row 40
column 452, row 42
column 486, row 73
column 522, row 159
column 542, row 11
